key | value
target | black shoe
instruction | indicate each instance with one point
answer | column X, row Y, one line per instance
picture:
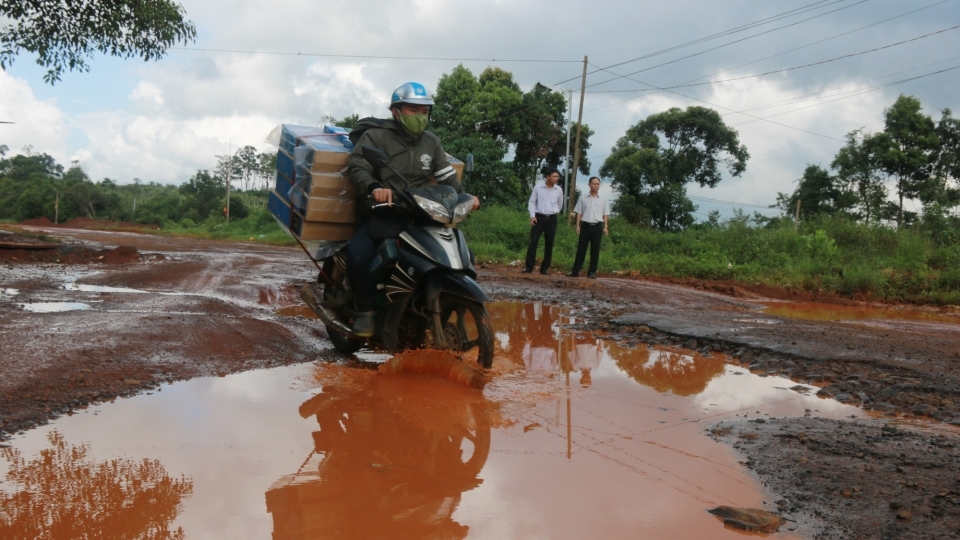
column 526, row 271
column 545, row 272
column 591, row 275
column 573, row 274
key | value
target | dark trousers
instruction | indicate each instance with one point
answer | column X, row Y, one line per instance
column 546, row 226
column 590, row 233
column 360, row 253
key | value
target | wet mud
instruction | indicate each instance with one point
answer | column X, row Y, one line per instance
column 619, row 421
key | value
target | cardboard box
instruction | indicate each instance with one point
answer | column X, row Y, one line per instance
column 318, row 230
column 457, row 166
column 285, row 165
column 314, row 157
column 282, row 186
column 326, row 185
column 328, row 209
column 306, row 230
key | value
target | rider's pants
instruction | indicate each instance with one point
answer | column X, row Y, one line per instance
column 360, row 254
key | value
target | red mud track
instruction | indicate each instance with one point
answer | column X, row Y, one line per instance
column 208, row 307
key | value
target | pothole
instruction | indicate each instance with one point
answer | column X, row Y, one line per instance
column 569, row 420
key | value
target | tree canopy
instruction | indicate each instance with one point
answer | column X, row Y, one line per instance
column 652, row 163
column 488, row 116
column 65, row 34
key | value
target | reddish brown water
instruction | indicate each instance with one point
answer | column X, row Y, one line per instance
column 573, row 438
column 812, row 311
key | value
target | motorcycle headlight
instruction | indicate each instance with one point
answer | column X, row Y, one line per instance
column 462, row 211
column 436, row 210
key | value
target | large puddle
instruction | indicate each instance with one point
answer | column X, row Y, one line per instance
column 574, row 438
column 813, row 311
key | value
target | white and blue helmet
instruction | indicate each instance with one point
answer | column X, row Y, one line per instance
column 411, row 92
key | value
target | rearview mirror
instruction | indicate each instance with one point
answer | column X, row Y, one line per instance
column 376, row 156
column 469, row 164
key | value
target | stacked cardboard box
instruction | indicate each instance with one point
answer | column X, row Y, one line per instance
column 312, row 196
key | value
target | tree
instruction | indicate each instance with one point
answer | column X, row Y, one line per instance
column 858, row 168
column 347, row 122
column 652, row 163
column 818, row 193
column 544, row 127
column 479, row 116
column 943, row 190
column 907, row 146
column 64, row 34
column 203, row 193
column 267, row 168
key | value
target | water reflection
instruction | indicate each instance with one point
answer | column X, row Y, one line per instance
column 545, row 344
column 64, row 493
column 392, row 458
column 684, row 373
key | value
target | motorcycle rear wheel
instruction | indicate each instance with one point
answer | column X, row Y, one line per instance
column 472, row 321
column 343, row 343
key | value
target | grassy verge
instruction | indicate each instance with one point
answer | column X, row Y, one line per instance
column 829, row 255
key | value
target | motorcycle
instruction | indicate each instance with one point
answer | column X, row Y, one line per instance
column 427, row 294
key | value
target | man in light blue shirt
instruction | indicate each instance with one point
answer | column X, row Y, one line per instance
column 546, row 201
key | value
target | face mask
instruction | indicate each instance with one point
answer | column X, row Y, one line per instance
column 415, row 124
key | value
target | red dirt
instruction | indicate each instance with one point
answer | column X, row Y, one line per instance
column 71, row 254
column 90, row 224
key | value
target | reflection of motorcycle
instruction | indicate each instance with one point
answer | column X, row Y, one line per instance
column 396, row 458
column 427, row 294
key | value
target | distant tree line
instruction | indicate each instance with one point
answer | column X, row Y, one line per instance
column 915, row 156
column 35, row 185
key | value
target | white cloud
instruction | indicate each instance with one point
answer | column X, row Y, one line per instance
column 37, row 123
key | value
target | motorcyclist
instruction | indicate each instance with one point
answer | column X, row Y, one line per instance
column 414, row 153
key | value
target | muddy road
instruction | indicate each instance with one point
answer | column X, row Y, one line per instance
column 616, row 407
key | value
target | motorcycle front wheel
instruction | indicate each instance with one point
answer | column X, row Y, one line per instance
column 467, row 328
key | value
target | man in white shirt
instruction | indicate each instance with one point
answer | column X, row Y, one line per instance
column 545, row 203
column 592, row 214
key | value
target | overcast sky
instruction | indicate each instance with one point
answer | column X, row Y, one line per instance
column 161, row 121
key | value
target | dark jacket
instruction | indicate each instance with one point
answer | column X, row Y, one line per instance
column 418, row 160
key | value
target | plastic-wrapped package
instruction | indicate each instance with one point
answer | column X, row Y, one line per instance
column 285, row 164
column 295, row 223
column 329, row 209
column 316, row 156
column 290, row 136
column 325, row 185
column 282, row 185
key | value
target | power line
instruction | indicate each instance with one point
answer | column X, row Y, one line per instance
column 820, row 41
column 714, row 36
column 322, row 55
column 774, row 55
column 722, row 45
column 727, row 108
column 820, row 62
column 867, row 90
column 731, row 203
column 807, row 97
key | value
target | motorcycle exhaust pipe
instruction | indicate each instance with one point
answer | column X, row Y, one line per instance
column 312, row 298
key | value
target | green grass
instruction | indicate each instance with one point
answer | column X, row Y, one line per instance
column 832, row 255
column 259, row 226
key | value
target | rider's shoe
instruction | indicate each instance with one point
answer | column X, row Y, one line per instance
column 365, row 324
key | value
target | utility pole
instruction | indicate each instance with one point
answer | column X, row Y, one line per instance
column 566, row 205
column 134, row 209
column 229, row 166
column 576, row 143
column 796, row 219
column 56, row 210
